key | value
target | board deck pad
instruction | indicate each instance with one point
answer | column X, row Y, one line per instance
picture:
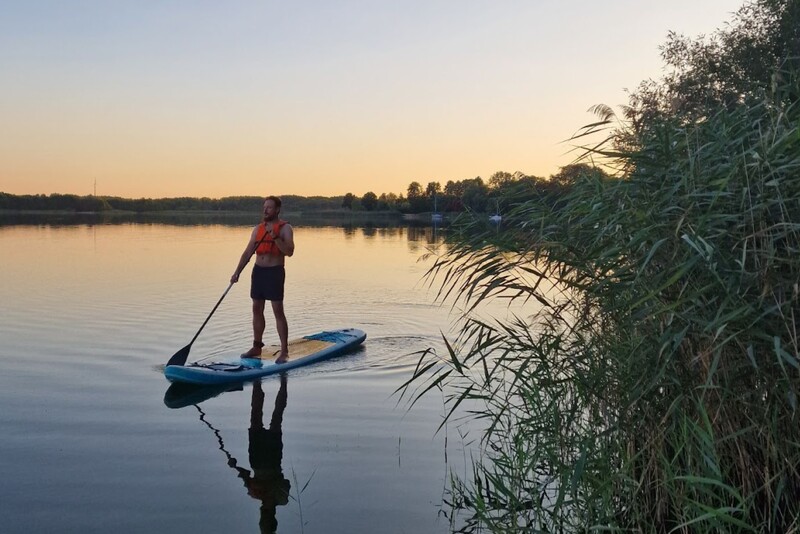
column 297, row 349
column 303, row 351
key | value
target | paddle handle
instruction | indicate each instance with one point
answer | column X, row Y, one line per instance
column 212, row 313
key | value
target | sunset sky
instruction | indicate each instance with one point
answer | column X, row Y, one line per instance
column 208, row 98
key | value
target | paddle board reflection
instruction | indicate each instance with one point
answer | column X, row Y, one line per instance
column 266, row 481
column 180, row 395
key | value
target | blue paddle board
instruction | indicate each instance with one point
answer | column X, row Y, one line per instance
column 306, row 350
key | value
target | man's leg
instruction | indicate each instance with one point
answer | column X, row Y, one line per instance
column 258, row 328
column 257, row 407
column 283, row 330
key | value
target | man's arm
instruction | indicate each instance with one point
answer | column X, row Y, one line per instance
column 285, row 240
column 246, row 255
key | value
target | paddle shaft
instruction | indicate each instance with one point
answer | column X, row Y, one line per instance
column 212, row 313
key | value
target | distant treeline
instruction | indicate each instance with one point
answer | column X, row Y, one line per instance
column 90, row 203
column 471, row 194
column 479, row 196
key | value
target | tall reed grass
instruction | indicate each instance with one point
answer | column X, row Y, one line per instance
column 659, row 391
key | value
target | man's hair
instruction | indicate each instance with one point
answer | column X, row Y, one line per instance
column 274, row 199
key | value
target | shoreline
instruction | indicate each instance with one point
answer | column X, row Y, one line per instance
column 288, row 213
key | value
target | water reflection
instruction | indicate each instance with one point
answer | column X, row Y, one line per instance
column 112, row 218
column 413, row 229
column 425, row 234
column 264, row 480
column 181, row 395
column 341, row 220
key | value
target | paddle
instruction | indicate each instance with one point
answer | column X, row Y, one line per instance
column 179, row 358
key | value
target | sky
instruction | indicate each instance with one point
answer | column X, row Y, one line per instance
column 168, row 98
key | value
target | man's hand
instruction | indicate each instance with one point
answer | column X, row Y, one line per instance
column 234, row 278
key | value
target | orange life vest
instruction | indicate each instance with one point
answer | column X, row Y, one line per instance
column 267, row 245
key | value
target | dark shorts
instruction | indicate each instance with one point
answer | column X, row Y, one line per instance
column 266, row 283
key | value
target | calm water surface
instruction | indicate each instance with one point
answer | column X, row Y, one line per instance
column 94, row 440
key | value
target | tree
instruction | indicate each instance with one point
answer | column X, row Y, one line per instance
column 433, row 188
column 748, row 59
column 414, row 190
column 388, row 201
column 348, row 201
column 476, row 195
column 369, row 201
column 500, row 179
column 569, row 174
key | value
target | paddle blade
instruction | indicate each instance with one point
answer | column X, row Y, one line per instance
column 179, row 358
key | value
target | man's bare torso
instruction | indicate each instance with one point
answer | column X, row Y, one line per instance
column 270, row 260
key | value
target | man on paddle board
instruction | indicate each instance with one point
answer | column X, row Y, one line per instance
column 271, row 241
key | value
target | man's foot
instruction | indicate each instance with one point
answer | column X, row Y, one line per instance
column 282, row 358
column 255, row 352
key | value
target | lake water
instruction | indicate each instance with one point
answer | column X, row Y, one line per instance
column 93, row 438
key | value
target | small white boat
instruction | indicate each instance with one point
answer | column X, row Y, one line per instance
column 435, row 216
column 496, row 218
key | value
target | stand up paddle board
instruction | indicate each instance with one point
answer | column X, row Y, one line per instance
column 303, row 351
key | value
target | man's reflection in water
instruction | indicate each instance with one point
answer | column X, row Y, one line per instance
column 266, row 482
